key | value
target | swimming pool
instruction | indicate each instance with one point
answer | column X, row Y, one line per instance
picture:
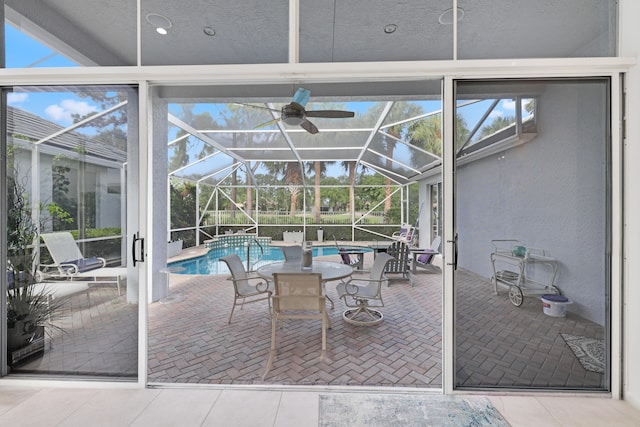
column 210, row 264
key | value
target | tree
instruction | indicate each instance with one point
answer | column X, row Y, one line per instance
column 183, row 206
column 236, row 116
column 293, row 178
column 426, row 133
column 350, row 167
column 498, row 124
column 319, row 169
column 183, row 149
column 110, row 128
column 399, row 112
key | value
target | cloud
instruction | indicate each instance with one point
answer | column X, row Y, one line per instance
column 496, row 113
column 509, row 104
column 64, row 111
column 16, row 98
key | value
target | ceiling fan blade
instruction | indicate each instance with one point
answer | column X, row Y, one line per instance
column 332, row 114
column 309, row 127
column 269, row 123
column 302, row 96
column 260, row 107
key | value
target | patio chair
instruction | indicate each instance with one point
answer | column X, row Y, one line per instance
column 292, row 254
column 363, row 294
column 400, row 263
column 297, row 296
column 425, row 260
column 353, row 258
column 69, row 263
column 246, row 284
column 404, row 235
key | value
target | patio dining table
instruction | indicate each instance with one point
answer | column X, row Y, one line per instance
column 328, row 270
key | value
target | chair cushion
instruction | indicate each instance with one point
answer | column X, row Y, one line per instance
column 345, row 258
column 425, row 258
column 86, row 264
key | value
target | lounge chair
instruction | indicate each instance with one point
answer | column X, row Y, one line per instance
column 69, row 263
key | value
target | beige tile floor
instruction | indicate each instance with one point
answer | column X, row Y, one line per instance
column 269, row 404
column 245, row 406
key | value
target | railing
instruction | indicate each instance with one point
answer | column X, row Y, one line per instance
column 250, row 266
column 235, row 218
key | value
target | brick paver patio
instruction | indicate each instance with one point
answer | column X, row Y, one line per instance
column 497, row 344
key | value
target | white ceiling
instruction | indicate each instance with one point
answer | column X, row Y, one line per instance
column 257, row 32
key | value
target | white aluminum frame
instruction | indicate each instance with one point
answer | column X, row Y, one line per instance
column 147, row 77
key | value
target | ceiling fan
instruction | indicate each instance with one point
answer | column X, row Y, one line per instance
column 294, row 113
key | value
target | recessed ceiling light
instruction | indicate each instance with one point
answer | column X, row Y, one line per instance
column 446, row 17
column 160, row 22
column 390, row 28
column 209, row 31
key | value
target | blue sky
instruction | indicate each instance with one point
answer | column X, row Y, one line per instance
column 23, row 51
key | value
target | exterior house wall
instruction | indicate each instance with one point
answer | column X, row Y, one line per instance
column 108, row 206
column 548, row 193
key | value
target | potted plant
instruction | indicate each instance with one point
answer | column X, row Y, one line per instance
column 29, row 307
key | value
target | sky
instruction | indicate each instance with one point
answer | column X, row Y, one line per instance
column 59, row 107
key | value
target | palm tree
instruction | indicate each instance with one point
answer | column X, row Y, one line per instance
column 319, row 169
column 400, row 111
column 293, row 178
column 238, row 117
column 496, row 125
column 292, row 175
column 350, row 167
column 427, row 133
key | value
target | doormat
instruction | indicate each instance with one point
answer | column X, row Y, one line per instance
column 588, row 351
column 380, row 410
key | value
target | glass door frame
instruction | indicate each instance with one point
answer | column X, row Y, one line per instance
column 615, row 232
column 136, row 219
column 450, row 71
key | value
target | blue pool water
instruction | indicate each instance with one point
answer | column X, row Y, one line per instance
column 210, row 264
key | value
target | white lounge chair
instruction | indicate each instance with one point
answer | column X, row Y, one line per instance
column 69, row 263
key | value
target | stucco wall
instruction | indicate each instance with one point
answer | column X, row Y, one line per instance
column 548, row 193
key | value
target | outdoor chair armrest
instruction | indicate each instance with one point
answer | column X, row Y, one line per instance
column 353, row 284
column 261, row 286
column 262, row 282
column 71, row 269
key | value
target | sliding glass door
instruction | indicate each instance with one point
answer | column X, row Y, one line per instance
column 532, row 203
column 72, row 297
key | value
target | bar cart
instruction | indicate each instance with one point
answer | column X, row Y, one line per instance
column 513, row 262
